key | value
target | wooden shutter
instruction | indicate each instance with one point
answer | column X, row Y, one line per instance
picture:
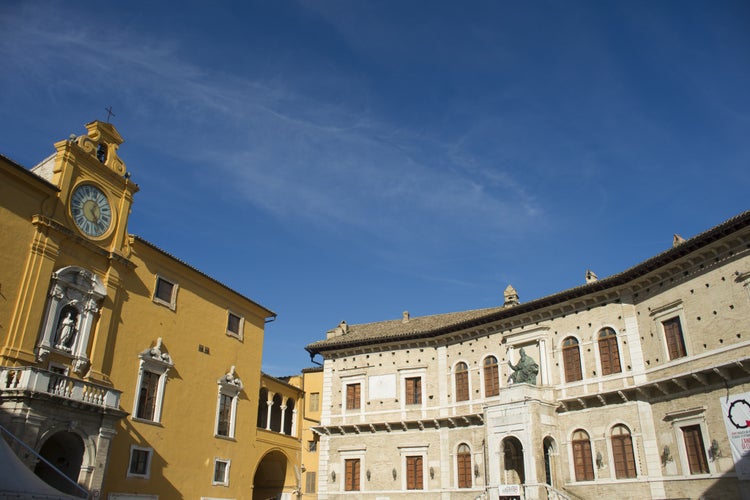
column 413, row 391
column 414, row 473
column 609, row 352
column 572, row 360
column 310, row 482
column 584, row 466
column 696, row 452
column 351, row 482
column 462, row 382
column 463, row 466
column 675, row 341
column 352, row 396
column 491, row 379
column 622, row 452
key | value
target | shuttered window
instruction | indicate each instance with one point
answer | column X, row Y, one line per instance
column 584, row 466
column 462, row 382
column 609, row 352
column 351, row 481
column 572, row 360
column 414, row 473
column 463, row 466
column 491, row 379
column 310, row 482
column 622, row 452
column 696, row 452
column 675, row 341
column 413, row 390
column 353, row 393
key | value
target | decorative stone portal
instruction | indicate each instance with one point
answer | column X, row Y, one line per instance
column 64, row 450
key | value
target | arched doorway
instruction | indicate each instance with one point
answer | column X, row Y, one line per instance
column 64, row 450
column 548, row 446
column 512, row 467
column 270, row 476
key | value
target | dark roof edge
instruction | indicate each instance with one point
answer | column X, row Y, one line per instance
column 28, row 172
column 691, row 245
column 214, row 280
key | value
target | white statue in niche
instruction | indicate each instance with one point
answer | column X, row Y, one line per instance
column 66, row 331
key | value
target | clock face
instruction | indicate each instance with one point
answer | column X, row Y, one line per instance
column 90, row 210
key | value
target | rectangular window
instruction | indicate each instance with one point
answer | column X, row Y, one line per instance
column 314, row 401
column 147, row 393
column 221, row 472
column 582, row 459
column 696, row 452
column 224, row 419
column 463, row 466
column 310, row 482
column 140, row 462
column 413, row 390
column 674, row 338
column 353, row 393
column 351, row 480
column 234, row 325
column 414, row 473
column 312, row 446
column 165, row 292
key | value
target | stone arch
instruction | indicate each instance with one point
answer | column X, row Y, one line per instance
column 66, row 451
column 550, row 454
column 272, row 475
column 512, row 466
column 289, row 414
column 276, row 413
column 263, row 408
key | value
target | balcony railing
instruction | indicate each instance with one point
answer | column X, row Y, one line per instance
column 36, row 380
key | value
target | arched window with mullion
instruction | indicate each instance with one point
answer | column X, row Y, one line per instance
column 463, row 466
column 609, row 353
column 622, row 452
column 491, row 378
column 582, row 461
column 572, row 360
column 462, row 381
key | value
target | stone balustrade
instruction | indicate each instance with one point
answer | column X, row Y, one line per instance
column 35, row 380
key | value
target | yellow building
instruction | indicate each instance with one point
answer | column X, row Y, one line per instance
column 129, row 370
column 311, row 382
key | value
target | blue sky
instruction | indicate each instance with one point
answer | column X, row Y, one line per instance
column 351, row 160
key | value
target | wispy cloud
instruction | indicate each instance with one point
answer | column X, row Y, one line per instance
column 327, row 161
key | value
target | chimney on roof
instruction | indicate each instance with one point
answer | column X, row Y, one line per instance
column 511, row 297
column 677, row 240
column 591, row 276
column 405, row 318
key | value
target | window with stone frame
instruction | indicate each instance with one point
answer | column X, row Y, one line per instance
column 221, row 472
column 230, row 387
column 152, row 377
column 695, row 449
column 491, row 377
column 147, row 395
column 572, row 360
column 582, row 459
column 140, row 462
column 165, row 292
column 622, row 452
column 413, row 390
column 674, row 338
column 462, row 381
column 609, row 352
column 351, row 474
column 353, row 396
column 235, row 324
column 414, row 472
column 463, row 466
